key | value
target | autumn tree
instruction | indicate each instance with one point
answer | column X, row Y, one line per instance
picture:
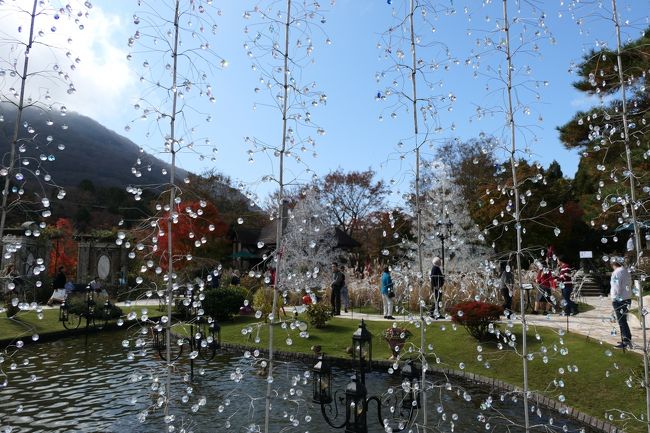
column 198, row 235
column 550, row 211
column 471, row 165
column 351, row 197
column 230, row 199
column 384, row 235
column 63, row 248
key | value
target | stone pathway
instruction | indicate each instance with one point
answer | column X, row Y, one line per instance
column 598, row 323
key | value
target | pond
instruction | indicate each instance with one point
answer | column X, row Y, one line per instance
column 71, row 385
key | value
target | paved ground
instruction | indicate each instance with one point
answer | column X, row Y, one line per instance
column 598, row 323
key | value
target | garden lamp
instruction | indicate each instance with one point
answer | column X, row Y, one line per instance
column 410, row 391
column 362, row 348
column 322, row 381
column 356, row 407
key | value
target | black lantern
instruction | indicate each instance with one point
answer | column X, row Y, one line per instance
column 322, row 381
column 410, row 389
column 356, row 407
column 356, row 398
column 362, row 347
column 215, row 331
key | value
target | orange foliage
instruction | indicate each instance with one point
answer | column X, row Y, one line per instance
column 63, row 250
column 194, row 225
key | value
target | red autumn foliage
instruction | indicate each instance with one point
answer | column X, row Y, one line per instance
column 191, row 227
column 475, row 317
column 63, row 251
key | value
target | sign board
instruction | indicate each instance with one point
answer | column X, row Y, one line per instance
column 586, row 255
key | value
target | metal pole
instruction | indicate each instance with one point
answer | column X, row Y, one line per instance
column 635, row 222
column 280, row 219
column 515, row 186
column 442, row 238
column 417, row 207
column 172, row 196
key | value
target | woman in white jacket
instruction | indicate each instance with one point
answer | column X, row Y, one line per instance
column 621, row 294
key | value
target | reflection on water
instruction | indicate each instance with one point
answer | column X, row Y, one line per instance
column 68, row 386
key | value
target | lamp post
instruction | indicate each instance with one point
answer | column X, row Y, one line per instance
column 443, row 232
column 204, row 337
column 355, row 397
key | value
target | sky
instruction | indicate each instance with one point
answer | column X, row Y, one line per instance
column 361, row 132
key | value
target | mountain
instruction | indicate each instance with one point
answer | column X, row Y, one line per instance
column 90, row 151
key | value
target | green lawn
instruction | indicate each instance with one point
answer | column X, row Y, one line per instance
column 598, row 386
column 25, row 324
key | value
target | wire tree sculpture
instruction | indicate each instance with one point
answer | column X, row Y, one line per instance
column 174, row 42
column 404, row 45
column 309, row 242
column 35, row 74
column 281, row 45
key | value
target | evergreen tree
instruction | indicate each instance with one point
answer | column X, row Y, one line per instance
column 600, row 182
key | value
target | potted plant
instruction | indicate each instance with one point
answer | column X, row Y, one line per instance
column 396, row 338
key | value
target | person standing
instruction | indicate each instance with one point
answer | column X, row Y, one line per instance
column 506, row 283
column 621, row 294
column 551, row 258
column 345, row 295
column 437, row 281
column 338, row 281
column 60, row 279
column 386, row 290
column 235, row 279
column 565, row 283
column 544, row 278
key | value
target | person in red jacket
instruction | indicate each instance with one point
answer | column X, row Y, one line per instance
column 564, row 282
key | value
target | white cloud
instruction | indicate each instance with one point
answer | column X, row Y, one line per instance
column 104, row 79
column 101, row 76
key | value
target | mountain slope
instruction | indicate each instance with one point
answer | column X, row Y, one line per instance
column 91, row 151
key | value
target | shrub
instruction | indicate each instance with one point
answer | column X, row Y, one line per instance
column 263, row 301
column 318, row 314
column 224, row 303
column 10, row 309
column 476, row 317
column 251, row 283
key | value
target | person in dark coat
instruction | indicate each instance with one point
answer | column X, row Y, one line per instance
column 60, row 279
column 506, row 283
column 338, row 281
column 437, row 281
